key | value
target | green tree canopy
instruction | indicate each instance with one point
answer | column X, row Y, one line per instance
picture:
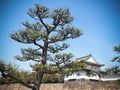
column 113, row 70
column 116, row 69
column 48, row 34
column 117, row 58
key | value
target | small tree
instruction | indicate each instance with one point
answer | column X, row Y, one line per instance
column 113, row 70
column 10, row 73
column 50, row 29
column 117, row 58
column 116, row 69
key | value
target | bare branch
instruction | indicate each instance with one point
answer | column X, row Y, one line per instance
column 43, row 24
column 35, row 43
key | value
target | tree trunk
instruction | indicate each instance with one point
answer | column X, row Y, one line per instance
column 38, row 81
column 40, row 74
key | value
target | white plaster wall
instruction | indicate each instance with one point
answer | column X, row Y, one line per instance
column 111, row 78
column 75, row 76
column 82, row 75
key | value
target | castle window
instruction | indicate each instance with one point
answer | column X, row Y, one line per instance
column 78, row 74
column 93, row 74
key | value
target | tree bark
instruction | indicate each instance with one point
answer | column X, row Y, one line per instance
column 40, row 74
column 38, row 81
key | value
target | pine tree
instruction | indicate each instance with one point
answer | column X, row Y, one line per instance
column 117, row 58
column 48, row 34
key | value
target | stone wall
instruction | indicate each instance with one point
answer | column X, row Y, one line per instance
column 57, row 86
column 91, row 85
column 70, row 85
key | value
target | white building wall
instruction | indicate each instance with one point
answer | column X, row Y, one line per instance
column 83, row 74
column 76, row 75
column 111, row 78
column 80, row 75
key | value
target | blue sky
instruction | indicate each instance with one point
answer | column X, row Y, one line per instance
column 99, row 20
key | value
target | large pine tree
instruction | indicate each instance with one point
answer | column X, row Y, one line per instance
column 48, row 35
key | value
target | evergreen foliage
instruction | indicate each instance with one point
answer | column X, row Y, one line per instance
column 117, row 58
column 116, row 69
column 48, row 35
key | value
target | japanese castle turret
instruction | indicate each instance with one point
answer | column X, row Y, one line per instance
column 91, row 72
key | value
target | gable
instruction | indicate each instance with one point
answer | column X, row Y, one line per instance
column 92, row 60
column 89, row 60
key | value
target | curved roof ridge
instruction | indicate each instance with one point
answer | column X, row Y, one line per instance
column 84, row 57
column 95, row 60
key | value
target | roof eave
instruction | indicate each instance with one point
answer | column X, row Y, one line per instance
column 92, row 63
